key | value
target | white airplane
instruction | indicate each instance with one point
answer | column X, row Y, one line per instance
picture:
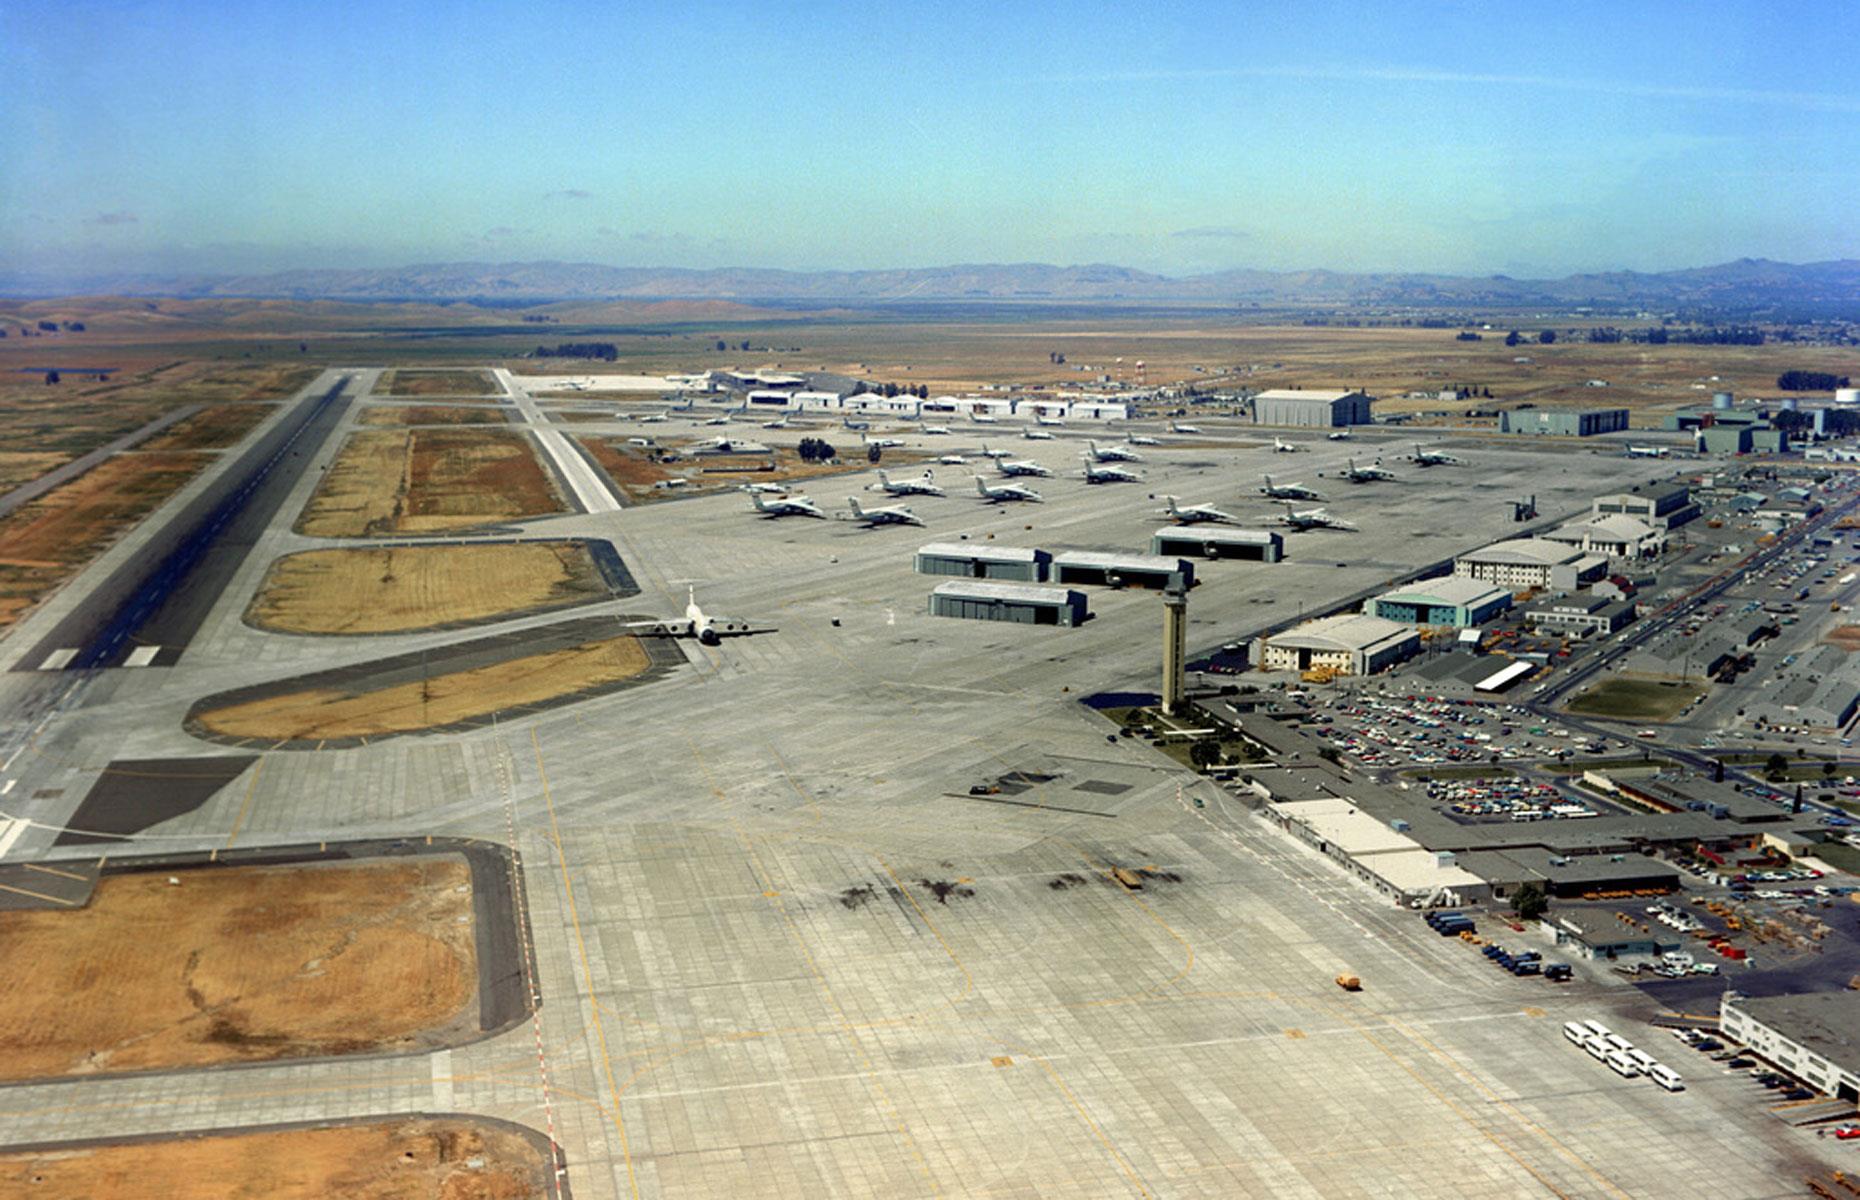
column 855, row 425
column 1374, row 473
column 953, row 460
column 1194, row 514
column 896, row 514
column 780, row 422
column 695, row 624
column 787, row 506
column 1314, row 518
column 656, row 418
column 983, row 419
column 1342, row 435
column 1178, row 427
column 722, row 420
column 1433, row 458
column 724, row 445
column 1137, row 439
column 1281, row 446
column 1094, row 473
column 908, row 487
column 1042, row 419
column 995, row 454
column 1648, row 451
column 937, row 430
column 1288, row 491
column 1037, row 435
column 1022, row 467
column 764, row 489
column 996, row 493
column 1113, row 453
column 883, row 443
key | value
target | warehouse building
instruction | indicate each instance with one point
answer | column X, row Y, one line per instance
column 1569, row 877
column 1296, row 406
column 1580, row 614
column 1531, row 563
column 1666, row 507
column 983, row 562
column 1598, row 934
column 1456, row 600
column 1391, row 862
column 1260, row 545
column 1564, row 422
column 1017, row 603
column 1820, row 689
column 1622, row 539
column 1813, row 1036
column 1348, row 643
column 1120, row 570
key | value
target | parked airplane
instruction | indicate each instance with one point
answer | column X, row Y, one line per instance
column 1037, row 435
column 656, row 418
column 1137, row 439
column 1314, row 518
column 995, row 454
column 1648, row 451
column 1370, row 474
column 1194, row 514
column 1433, row 458
column 1022, row 467
column 780, row 422
column 695, row 624
column 1042, row 419
column 1178, row 427
column 883, row 443
column 896, row 514
column 937, row 430
column 855, row 426
column 998, row 492
column 765, row 489
column 1288, row 491
column 724, row 445
column 1113, row 453
column 983, row 419
column 1342, row 435
column 1281, row 446
column 1094, row 473
column 953, row 460
column 787, row 506
column 908, row 487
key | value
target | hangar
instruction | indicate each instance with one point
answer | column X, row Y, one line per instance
column 1564, row 422
column 983, row 562
column 1019, row 603
column 1322, row 409
column 1348, row 643
column 1457, row 600
column 1261, row 545
column 1120, row 570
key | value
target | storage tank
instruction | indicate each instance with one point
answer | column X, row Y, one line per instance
column 1847, row 395
column 1721, row 400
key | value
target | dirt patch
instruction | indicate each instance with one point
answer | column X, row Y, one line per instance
column 429, row 481
column 1847, row 637
column 238, row 964
column 857, row 897
column 395, row 589
column 213, row 428
column 445, row 699
column 943, row 889
column 437, row 383
column 431, row 414
column 46, row 541
column 447, row 1158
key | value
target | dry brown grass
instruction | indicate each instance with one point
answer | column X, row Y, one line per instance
column 446, row 699
column 430, row 414
column 415, row 1158
column 19, row 467
column 45, row 542
column 237, row 964
column 1847, row 637
column 437, row 383
column 429, row 481
column 213, row 428
column 394, row 589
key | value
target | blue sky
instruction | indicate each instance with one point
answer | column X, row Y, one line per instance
column 1179, row 138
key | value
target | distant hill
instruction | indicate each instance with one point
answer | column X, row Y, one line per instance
column 1745, row 282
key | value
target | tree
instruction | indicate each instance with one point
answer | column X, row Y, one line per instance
column 1512, row 338
column 1775, row 766
column 1529, row 902
column 1547, row 337
column 722, row 345
column 873, row 452
column 51, row 377
column 1204, row 753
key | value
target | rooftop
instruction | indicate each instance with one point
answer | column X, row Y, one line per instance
column 1524, row 552
column 1024, row 593
column 1825, row 1022
column 1206, row 534
column 1446, row 589
column 1305, row 394
column 1099, row 558
column 972, row 550
column 1345, row 631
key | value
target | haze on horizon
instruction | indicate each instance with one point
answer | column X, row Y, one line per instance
column 1473, row 139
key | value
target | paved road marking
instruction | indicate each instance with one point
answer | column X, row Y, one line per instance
column 9, row 833
column 57, row 660
column 20, row 891
column 142, row 656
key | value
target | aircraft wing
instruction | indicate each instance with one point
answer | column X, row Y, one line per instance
column 656, row 628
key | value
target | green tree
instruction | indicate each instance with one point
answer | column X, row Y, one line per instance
column 1204, row 753
column 1547, row 337
column 1529, row 902
column 1776, row 766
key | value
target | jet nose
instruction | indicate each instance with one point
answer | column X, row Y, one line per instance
column 709, row 638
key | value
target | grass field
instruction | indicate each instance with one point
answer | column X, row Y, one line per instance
column 437, row 383
column 213, row 428
column 237, row 964
column 429, row 481
column 396, row 589
column 1841, row 855
column 413, row 1158
column 431, row 414
column 45, row 542
column 447, row 699
column 1636, row 699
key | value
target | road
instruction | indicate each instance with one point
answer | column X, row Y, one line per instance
column 28, row 492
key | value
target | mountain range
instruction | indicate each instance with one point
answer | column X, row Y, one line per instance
column 1746, row 282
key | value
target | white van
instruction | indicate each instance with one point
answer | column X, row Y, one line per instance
column 1622, row 1065
column 1596, row 1028
column 1576, row 1032
column 1666, row 1077
column 1596, row 1047
column 1645, row 1061
column 1616, row 1042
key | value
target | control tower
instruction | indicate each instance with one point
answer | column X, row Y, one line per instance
column 1175, row 644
